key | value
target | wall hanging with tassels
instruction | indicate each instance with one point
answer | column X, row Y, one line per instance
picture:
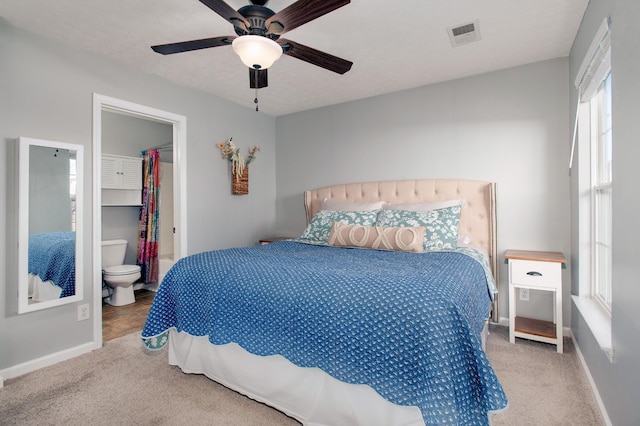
column 239, row 166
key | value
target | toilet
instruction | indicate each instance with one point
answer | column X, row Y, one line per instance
column 117, row 276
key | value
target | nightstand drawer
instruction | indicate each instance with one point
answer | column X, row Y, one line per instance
column 536, row 274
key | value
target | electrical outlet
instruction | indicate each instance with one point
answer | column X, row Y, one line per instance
column 524, row 294
column 83, row 312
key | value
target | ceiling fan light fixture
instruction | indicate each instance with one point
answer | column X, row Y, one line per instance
column 256, row 51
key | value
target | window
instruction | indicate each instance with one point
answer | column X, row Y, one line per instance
column 595, row 142
column 72, row 188
column 593, row 137
column 601, row 150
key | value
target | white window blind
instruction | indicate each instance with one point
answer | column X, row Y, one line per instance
column 595, row 66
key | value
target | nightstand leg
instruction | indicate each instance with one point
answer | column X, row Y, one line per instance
column 558, row 315
column 512, row 314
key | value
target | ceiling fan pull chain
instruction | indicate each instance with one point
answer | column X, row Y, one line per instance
column 255, row 78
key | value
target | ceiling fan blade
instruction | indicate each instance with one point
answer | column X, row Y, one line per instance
column 258, row 78
column 226, row 11
column 185, row 46
column 315, row 57
column 300, row 13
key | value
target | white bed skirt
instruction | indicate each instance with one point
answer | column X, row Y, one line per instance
column 307, row 394
column 41, row 291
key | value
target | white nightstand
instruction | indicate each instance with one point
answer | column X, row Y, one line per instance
column 273, row 239
column 535, row 270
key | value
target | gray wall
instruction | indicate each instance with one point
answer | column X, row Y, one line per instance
column 617, row 382
column 510, row 127
column 126, row 135
column 47, row 91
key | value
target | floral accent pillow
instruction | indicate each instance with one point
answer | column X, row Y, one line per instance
column 320, row 226
column 441, row 224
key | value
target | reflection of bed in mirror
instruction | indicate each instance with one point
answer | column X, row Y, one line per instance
column 51, row 265
column 50, row 223
column 340, row 335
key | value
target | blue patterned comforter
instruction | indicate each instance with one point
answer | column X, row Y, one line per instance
column 406, row 324
column 52, row 256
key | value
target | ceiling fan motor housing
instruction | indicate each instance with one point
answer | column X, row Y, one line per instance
column 256, row 15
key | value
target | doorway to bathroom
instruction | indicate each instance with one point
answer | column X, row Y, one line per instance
column 124, row 129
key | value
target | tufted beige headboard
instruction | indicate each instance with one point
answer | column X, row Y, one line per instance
column 477, row 220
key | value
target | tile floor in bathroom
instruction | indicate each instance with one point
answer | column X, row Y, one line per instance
column 118, row 321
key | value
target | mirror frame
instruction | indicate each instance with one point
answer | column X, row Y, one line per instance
column 23, row 224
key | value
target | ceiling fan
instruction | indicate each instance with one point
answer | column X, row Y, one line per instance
column 258, row 41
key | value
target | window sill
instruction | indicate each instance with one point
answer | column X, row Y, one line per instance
column 597, row 321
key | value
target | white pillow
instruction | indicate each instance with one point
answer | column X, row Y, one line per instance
column 423, row 206
column 348, row 206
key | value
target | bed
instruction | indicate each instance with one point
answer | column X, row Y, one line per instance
column 52, row 265
column 349, row 332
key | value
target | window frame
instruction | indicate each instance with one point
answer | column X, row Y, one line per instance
column 595, row 67
column 600, row 129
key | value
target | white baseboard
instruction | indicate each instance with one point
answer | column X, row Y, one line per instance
column 45, row 361
column 592, row 383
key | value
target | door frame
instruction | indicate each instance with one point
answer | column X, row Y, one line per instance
column 103, row 103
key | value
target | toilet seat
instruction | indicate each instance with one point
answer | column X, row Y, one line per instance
column 118, row 270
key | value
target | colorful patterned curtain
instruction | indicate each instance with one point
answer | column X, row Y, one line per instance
column 148, row 225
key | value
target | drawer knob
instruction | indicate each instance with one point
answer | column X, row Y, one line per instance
column 534, row 274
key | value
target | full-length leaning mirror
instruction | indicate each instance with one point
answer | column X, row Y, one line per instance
column 49, row 223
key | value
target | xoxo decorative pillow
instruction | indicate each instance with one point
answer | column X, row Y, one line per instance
column 320, row 226
column 377, row 237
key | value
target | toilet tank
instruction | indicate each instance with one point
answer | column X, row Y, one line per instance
column 113, row 252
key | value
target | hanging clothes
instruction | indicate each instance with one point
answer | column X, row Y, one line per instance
column 149, row 214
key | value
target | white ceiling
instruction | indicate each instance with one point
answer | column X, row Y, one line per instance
column 394, row 44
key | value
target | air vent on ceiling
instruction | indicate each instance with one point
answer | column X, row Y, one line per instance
column 463, row 34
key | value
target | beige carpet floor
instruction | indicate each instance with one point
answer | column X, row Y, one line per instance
column 543, row 386
column 122, row 384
